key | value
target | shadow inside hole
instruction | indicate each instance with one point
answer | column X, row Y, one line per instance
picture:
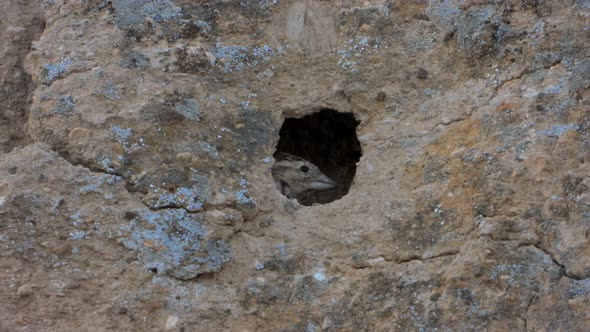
column 327, row 139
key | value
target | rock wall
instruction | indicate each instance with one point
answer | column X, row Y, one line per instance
column 144, row 198
column 21, row 22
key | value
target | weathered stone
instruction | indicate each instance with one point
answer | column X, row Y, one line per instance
column 143, row 199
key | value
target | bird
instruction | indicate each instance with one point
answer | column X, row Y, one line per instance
column 295, row 175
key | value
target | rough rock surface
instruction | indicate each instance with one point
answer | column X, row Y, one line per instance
column 21, row 22
column 144, row 198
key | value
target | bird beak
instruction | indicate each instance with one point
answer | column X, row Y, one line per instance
column 323, row 182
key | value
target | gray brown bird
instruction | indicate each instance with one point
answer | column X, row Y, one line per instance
column 294, row 175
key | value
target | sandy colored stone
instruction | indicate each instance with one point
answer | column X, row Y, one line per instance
column 140, row 195
column 25, row 290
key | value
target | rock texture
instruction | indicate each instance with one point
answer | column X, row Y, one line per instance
column 141, row 196
column 21, row 22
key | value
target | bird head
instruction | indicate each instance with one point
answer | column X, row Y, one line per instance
column 297, row 175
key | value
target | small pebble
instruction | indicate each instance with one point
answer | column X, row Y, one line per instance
column 327, row 323
column 381, row 96
column 171, row 322
column 24, row 290
column 356, row 87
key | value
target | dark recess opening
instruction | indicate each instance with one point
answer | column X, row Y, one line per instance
column 327, row 139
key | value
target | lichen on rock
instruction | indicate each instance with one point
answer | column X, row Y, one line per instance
column 175, row 243
column 141, row 196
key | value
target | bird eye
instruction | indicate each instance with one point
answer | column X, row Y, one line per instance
column 304, row 169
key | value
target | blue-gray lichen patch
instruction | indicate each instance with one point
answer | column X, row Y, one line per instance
column 581, row 77
column 237, row 58
column 522, row 273
column 175, row 242
column 190, row 196
column 260, row 3
column 208, row 150
column 65, row 105
column 191, row 199
column 135, row 61
column 444, row 13
column 421, row 39
column 243, row 195
column 190, row 109
column 582, row 4
column 101, row 185
column 473, row 22
column 557, row 130
column 132, row 13
column 54, row 71
column 372, row 14
column 125, row 137
column 579, row 288
column 354, row 49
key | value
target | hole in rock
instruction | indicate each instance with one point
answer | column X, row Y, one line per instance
column 316, row 156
